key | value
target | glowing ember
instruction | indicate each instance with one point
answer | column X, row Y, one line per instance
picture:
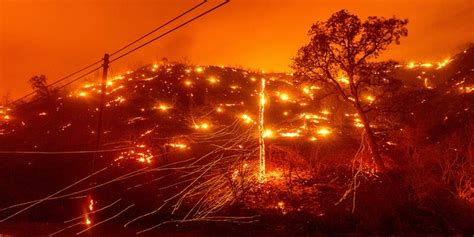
column 323, row 131
column 268, row 133
column 178, row 145
column 163, row 107
column 202, row 126
column 88, row 85
column 246, row 118
column 343, row 80
column 199, row 69
column 284, row 97
column 370, row 98
column 212, row 80
column 290, row 134
column 91, row 205
column 358, row 123
column 443, row 63
column 466, row 89
column 306, row 90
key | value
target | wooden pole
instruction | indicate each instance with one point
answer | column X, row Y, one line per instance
column 105, row 67
column 261, row 133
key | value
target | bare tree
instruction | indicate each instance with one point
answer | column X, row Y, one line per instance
column 38, row 84
column 340, row 58
column 6, row 99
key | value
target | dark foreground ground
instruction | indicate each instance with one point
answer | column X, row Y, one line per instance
column 42, row 229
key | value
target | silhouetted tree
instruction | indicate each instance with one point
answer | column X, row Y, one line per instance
column 340, row 56
column 6, row 99
column 38, row 84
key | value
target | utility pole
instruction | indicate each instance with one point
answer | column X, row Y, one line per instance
column 103, row 84
column 261, row 134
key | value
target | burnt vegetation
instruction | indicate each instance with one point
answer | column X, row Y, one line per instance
column 353, row 145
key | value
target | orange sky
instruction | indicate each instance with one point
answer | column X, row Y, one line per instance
column 55, row 37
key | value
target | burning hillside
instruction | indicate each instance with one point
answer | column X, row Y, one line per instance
column 165, row 100
column 180, row 145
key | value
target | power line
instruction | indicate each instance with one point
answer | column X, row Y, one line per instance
column 154, row 39
column 63, row 152
column 121, row 56
column 57, row 81
column 170, row 31
column 158, row 28
column 115, row 52
column 80, row 77
column 128, row 45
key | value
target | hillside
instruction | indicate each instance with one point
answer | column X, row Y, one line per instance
column 184, row 138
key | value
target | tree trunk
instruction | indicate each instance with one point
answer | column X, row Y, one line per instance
column 371, row 140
